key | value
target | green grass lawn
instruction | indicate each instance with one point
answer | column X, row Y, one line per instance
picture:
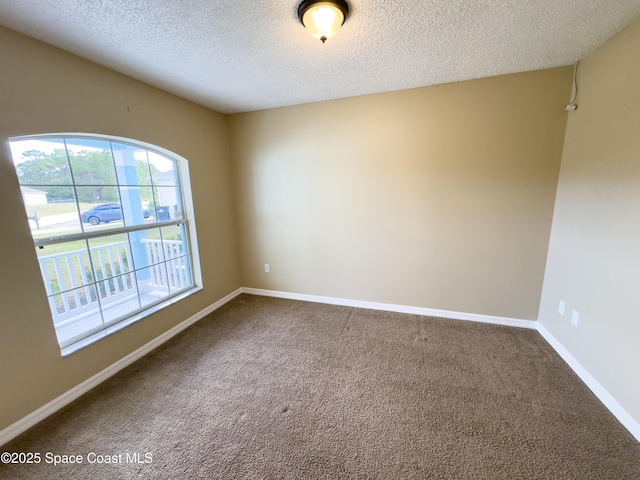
column 56, row 208
column 57, row 248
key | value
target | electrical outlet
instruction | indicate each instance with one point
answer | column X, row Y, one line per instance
column 266, row 268
column 561, row 308
column 574, row 318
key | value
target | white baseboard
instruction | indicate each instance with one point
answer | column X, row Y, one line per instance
column 598, row 390
column 389, row 307
column 56, row 404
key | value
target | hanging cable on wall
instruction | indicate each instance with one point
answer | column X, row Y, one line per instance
column 572, row 105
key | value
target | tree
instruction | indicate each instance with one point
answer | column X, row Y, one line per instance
column 48, row 170
column 93, row 171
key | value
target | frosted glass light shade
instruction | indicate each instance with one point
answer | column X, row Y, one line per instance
column 323, row 19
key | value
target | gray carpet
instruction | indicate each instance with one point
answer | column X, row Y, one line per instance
column 272, row 388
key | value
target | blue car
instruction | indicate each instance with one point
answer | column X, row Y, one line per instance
column 107, row 212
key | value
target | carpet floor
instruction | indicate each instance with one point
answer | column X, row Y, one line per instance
column 273, row 388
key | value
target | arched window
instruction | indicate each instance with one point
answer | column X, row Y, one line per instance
column 110, row 228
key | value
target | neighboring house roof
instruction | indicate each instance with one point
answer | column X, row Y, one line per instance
column 31, row 190
column 165, row 178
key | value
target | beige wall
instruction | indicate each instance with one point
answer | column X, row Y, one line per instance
column 438, row 197
column 594, row 255
column 44, row 90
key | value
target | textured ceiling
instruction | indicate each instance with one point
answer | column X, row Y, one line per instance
column 243, row 55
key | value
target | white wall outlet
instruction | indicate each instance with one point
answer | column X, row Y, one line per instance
column 574, row 318
column 561, row 307
column 266, row 268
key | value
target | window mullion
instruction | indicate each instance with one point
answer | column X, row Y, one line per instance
column 73, row 181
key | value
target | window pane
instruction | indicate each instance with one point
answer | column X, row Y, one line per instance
column 111, row 256
column 132, row 165
column 98, row 194
column 163, row 170
column 91, row 162
column 64, row 266
column 169, row 204
column 41, row 162
column 154, row 253
column 174, row 240
column 75, row 312
column 145, row 248
column 118, row 297
column 179, row 273
column 135, row 203
column 57, row 217
column 152, row 284
column 100, row 208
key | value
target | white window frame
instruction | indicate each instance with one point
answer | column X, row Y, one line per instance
column 187, row 220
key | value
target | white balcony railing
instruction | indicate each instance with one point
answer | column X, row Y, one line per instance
column 76, row 298
column 174, row 256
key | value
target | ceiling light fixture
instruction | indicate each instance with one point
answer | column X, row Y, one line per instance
column 323, row 19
